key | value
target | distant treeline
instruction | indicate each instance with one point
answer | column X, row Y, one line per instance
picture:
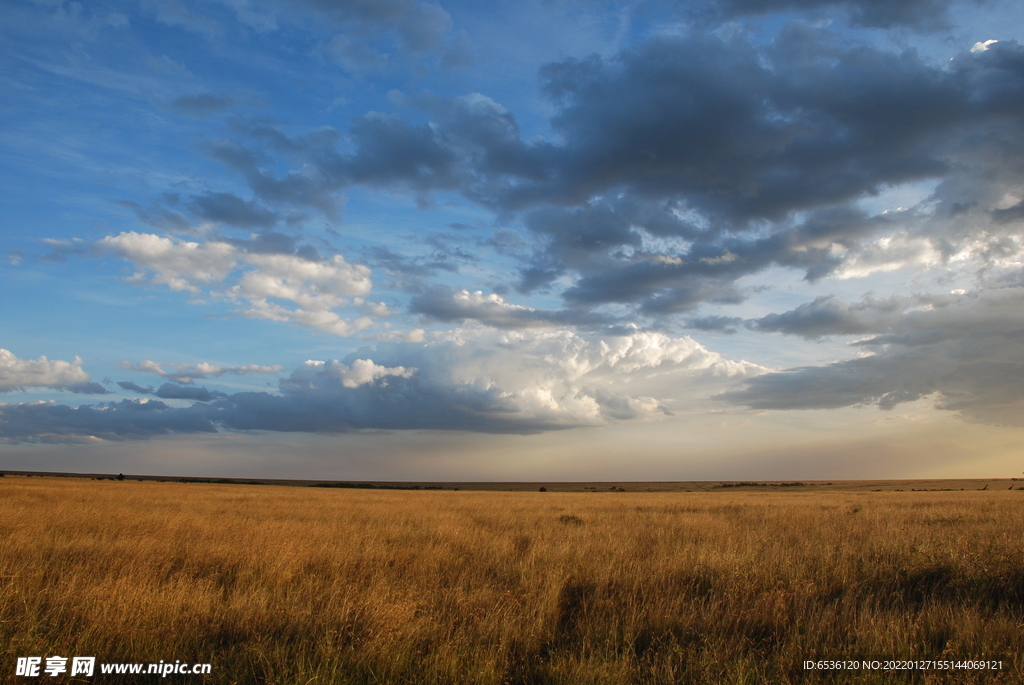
column 371, row 486
column 761, row 485
column 221, row 481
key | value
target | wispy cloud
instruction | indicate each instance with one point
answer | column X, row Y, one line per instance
column 188, row 373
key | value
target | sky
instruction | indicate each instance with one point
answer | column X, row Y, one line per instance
column 541, row 240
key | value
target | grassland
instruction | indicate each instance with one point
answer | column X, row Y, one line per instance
column 321, row 585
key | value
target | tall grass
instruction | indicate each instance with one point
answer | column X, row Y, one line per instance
column 309, row 585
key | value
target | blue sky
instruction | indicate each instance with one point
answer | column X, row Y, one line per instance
column 573, row 240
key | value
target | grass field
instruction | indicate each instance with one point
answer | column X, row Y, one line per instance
column 315, row 585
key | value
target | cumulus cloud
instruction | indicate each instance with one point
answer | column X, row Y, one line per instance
column 508, row 382
column 316, row 285
column 178, row 264
column 360, row 372
column 470, row 379
column 263, row 278
column 17, row 374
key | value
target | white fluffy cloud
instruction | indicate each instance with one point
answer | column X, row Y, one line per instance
column 360, row 372
column 16, row 374
column 278, row 287
column 311, row 285
column 178, row 264
column 319, row 319
column 564, row 378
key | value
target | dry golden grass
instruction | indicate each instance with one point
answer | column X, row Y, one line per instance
column 309, row 585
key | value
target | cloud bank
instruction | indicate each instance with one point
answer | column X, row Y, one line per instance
column 965, row 350
column 468, row 380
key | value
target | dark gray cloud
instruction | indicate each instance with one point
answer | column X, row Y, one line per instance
column 134, row 387
column 390, row 152
column 667, row 281
column 966, row 351
column 472, row 145
column 400, row 404
column 820, row 127
column 985, row 391
column 742, row 133
column 858, row 381
column 158, row 217
column 314, row 187
column 827, row 316
column 232, row 210
column 88, row 388
column 174, row 391
column 128, row 419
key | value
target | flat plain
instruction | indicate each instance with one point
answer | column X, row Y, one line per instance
column 603, row 583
